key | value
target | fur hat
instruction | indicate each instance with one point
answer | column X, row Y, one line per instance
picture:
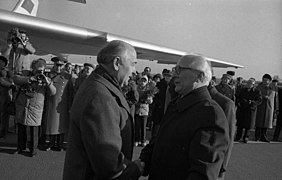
column 267, row 76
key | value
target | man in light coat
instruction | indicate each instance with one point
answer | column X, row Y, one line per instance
column 100, row 144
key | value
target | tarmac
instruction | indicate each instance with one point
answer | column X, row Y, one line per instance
column 251, row 161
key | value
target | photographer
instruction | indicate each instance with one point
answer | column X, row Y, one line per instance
column 18, row 50
column 34, row 87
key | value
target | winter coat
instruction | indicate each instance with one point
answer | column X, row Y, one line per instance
column 57, row 106
column 228, row 107
column 29, row 104
column 264, row 116
column 191, row 142
column 101, row 133
column 247, row 103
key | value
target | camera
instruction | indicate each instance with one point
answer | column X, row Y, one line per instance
column 15, row 36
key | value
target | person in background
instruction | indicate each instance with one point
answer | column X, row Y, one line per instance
column 34, row 87
column 239, row 86
column 279, row 116
column 57, row 107
column 18, row 50
column 68, row 68
column 147, row 72
column 142, row 110
column 87, row 70
column 248, row 100
column 159, row 100
column 228, row 107
column 194, row 135
column 6, row 83
column 224, row 88
column 264, row 115
column 131, row 94
column 101, row 136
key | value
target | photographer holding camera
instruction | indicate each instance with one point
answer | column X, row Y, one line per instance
column 18, row 50
column 34, row 87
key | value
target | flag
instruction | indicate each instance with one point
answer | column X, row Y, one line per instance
column 27, row 7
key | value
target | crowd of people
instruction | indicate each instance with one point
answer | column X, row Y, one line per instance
column 103, row 112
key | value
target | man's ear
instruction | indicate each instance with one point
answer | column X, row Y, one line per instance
column 116, row 63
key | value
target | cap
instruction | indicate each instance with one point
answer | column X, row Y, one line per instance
column 88, row 64
column 167, row 72
column 228, row 76
column 267, row 76
column 231, row 73
column 3, row 58
column 59, row 60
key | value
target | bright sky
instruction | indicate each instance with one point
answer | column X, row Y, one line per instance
column 245, row 32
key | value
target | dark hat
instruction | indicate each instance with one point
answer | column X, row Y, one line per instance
column 228, row 76
column 88, row 64
column 59, row 60
column 167, row 73
column 267, row 76
column 3, row 58
column 231, row 73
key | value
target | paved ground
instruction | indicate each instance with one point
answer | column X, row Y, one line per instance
column 252, row 161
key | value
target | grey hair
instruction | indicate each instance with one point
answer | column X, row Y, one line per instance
column 112, row 50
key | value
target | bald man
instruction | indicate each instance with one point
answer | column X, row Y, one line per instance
column 101, row 133
column 193, row 137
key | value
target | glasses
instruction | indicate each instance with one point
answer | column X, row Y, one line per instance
column 179, row 69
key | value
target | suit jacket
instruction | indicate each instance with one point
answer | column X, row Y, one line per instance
column 191, row 142
column 100, row 144
column 228, row 107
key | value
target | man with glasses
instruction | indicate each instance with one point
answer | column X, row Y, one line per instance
column 194, row 135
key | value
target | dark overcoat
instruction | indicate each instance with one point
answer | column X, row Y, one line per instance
column 192, row 140
column 100, row 144
column 228, row 107
column 248, row 100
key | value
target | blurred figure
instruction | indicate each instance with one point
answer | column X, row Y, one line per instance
column 101, row 129
column 68, row 68
column 224, row 88
column 142, row 110
column 131, row 94
column 34, row 87
column 248, row 100
column 193, row 137
column 6, row 83
column 57, row 107
column 279, row 117
column 18, row 50
column 159, row 100
column 147, row 71
column 87, row 70
column 264, row 116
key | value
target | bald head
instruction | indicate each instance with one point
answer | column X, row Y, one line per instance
column 114, row 49
column 198, row 63
column 119, row 60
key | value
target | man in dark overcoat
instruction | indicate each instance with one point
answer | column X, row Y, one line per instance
column 228, row 106
column 101, row 133
column 194, row 135
column 248, row 100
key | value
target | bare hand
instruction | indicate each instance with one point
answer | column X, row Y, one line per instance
column 140, row 164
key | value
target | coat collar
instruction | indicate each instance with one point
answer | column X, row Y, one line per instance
column 192, row 98
column 101, row 75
